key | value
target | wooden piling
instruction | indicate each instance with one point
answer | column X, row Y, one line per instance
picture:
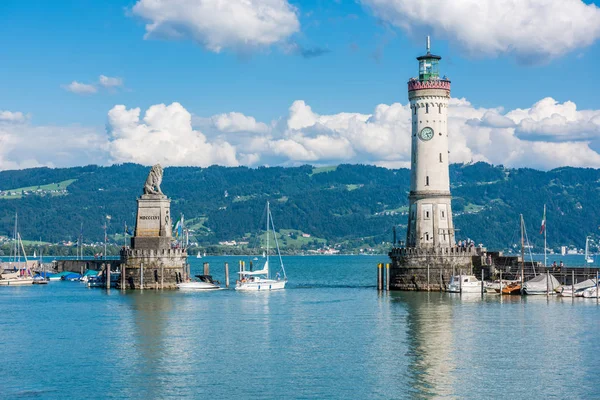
column 380, row 276
column 206, row 269
column 227, row 275
column 482, row 286
column 387, row 277
column 141, row 276
column 428, row 277
column 162, row 276
column 547, row 283
column 107, row 275
column 123, row 277
column 573, row 283
column 597, row 288
column 441, row 280
column 500, row 283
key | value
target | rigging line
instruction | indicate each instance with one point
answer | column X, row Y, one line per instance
column 529, row 247
column 277, row 245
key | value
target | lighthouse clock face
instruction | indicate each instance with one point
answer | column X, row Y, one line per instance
column 426, row 133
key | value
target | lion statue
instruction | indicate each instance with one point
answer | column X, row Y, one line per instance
column 152, row 185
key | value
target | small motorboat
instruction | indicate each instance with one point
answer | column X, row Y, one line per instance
column 464, row 284
column 512, row 288
column 204, row 282
column 40, row 280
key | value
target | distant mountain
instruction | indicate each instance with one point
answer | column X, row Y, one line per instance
column 352, row 204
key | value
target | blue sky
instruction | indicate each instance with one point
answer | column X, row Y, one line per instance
column 361, row 56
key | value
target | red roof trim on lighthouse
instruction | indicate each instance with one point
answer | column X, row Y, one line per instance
column 433, row 84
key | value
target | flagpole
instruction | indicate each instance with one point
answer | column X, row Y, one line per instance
column 545, row 231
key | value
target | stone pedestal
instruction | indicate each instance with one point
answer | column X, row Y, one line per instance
column 151, row 263
column 429, row 268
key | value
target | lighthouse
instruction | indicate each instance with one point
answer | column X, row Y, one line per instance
column 429, row 257
column 430, row 211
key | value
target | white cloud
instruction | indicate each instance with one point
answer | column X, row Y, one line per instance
column 546, row 135
column 529, row 29
column 110, row 82
column 164, row 135
column 12, row 116
column 238, row 122
column 217, row 24
column 80, row 88
column 23, row 145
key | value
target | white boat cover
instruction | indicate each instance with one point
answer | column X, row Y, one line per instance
column 580, row 286
column 539, row 285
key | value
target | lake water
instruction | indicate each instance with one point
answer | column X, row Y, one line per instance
column 329, row 335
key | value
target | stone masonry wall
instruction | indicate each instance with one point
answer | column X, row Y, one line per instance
column 429, row 268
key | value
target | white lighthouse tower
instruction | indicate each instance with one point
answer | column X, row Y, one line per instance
column 430, row 213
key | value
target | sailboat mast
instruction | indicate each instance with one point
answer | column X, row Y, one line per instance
column 545, row 245
column 522, row 250
column 268, row 213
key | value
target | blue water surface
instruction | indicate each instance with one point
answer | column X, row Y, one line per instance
column 329, row 335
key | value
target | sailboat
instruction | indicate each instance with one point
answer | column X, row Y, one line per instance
column 588, row 259
column 198, row 255
column 17, row 276
column 260, row 280
column 515, row 287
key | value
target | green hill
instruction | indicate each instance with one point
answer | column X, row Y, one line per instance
column 355, row 205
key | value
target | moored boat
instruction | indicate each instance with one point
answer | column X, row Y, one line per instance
column 464, row 284
column 260, row 280
column 204, row 282
column 577, row 290
column 541, row 284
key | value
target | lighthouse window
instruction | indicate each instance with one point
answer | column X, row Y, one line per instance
column 415, row 110
column 440, row 157
column 426, row 108
column 440, row 108
column 426, row 181
column 427, row 236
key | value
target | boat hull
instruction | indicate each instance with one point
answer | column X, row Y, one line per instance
column 16, row 282
column 201, row 286
column 260, row 286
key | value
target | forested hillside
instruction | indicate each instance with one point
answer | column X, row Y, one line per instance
column 351, row 204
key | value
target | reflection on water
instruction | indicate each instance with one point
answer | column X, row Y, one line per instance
column 324, row 339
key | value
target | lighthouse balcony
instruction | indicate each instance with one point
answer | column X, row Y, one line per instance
column 415, row 84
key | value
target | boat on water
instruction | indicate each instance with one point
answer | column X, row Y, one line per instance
column 541, row 284
column 15, row 278
column 204, row 282
column 496, row 286
column 58, row 276
column 15, row 274
column 464, row 284
column 260, row 280
column 512, row 288
column 198, row 255
column 590, row 292
column 576, row 290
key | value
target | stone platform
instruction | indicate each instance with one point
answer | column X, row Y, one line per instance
column 430, row 269
column 153, row 269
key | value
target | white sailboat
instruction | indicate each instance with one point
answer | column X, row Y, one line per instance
column 17, row 276
column 260, row 280
column 588, row 259
column 198, row 255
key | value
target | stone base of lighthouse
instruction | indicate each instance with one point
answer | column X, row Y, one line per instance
column 430, row 268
